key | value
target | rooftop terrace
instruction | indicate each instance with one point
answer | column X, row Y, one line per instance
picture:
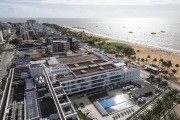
column 93, row 66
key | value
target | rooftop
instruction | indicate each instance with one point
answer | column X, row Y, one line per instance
column 52, row 61
column 145, row 89
column 93, row 66
column 35, row 65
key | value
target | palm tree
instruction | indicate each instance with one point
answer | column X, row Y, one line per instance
column 154, row 60
column 148, row 57
column 159, row 80
column 151, row 78
column 142, row 60
column 177, row 66
column 138, row 60
column 174, row 71
column 158, row 107
column 164, row 64
column 164, row 85
column 169, row 64
column 149, row 114
column 160, row 61
column 138, row 52
column 165, row 72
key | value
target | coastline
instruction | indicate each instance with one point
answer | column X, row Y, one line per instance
column 145, row 50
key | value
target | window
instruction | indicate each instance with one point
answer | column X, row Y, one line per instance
column 82, row 88
column 83, row 84
column 75, row 90
column 64, row 84
column 73, row 86
column 93, row 78
column 73, row 82
column 118, row 76
column 96, row 81
column 103, row 76
column 98, row 84
column 79, row 81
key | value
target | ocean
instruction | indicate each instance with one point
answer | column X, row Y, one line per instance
column 136, row 30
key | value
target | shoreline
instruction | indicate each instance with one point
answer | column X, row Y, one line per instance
column 111, row 39
column 145, row 50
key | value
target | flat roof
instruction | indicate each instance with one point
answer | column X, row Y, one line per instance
column 31, row 105
column 151, row 67
column 35, row 65
column 52, row 61
column 93, row 66
column 145, row 88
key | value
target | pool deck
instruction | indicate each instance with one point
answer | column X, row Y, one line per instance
column 90, row 108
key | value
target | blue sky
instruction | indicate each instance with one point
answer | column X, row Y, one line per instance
column 89, row 8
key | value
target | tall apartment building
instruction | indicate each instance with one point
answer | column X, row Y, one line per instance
column 1, row 37
column 60, row 46
column 31, row 22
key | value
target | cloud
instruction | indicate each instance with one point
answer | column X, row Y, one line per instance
column 107, row 2
column 99, row 2
column 88, row 8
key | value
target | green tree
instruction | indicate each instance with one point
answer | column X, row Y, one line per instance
column 174, row 71
column 164, row 85
column 154, row 60
column 142, row 60
column 138, row 52
column 159, row 80
column 177, row 66
column 138, row 60
column 151, row 78
column 169, row 64
column 14, row 41
column 160, row 61
column 148, row 57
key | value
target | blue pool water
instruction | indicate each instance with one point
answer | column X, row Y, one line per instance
column 108, row 102
column 118, row 102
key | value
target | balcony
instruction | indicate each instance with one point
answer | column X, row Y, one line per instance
column 62, row 99
column 67, row 110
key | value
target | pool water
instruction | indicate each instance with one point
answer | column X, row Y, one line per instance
column 118, row 102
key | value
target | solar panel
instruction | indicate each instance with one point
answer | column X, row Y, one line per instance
column 31, row 105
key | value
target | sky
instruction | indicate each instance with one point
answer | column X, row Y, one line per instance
column 88, row 8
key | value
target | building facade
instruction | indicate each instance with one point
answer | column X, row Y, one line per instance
column 1, row 37
column 60, row 46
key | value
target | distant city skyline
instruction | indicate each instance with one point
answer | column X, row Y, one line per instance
column 89, row 8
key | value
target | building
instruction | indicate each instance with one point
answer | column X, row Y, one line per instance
column 30, row 95
column 31, row 22
column 40, row 90
column 60, row 46
column 1, row 37
column 82, row 76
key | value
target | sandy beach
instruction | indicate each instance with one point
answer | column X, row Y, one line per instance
column 144, row 51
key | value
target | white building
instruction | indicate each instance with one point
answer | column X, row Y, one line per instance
column 82, row 76
column 1, row 37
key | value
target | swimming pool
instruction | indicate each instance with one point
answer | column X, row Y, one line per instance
column 118, row 102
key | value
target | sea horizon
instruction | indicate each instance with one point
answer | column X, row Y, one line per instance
column 134, row 30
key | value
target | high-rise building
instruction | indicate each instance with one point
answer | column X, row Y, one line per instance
column 31, row 22
column 60, row 46
column 1, row 37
